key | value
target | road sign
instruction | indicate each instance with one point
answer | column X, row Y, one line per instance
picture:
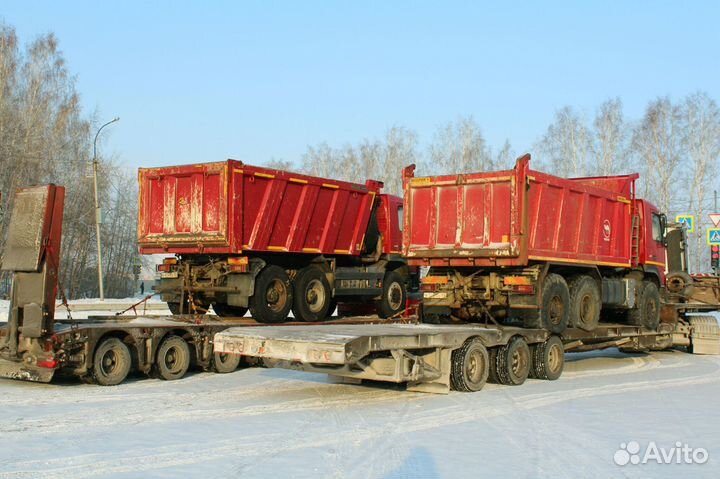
column 715, row 218
column 688, row 221
column 713, row 236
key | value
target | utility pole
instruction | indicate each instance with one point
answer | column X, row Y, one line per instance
column 98, row 218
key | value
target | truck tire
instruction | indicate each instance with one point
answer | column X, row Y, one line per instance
column 548, row 359
column 112, row 362
column 554, row 312
column 312, row 295
column 225, row 363
column 226, row 311
column 513, row 362
column 585, row 302
column 394, row 295
column 470, row 366
column 173, row 358
column 273, row 296
column 705, row 326
column 646, row 312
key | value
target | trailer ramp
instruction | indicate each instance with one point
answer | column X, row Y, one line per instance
column 32, row 256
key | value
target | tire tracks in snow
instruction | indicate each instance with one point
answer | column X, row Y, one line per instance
column 465, row 408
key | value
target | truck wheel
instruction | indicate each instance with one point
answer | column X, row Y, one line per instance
column 554, row 312
column 393, row 295
column 548, row 359
column 312, row 295
column 273, row 296
column 173, row 358
column 226, row 311
column 225, row 363
column 111, row 363
column 470, row 366
column 647, row 312
column 513, row 362
column 585, row 302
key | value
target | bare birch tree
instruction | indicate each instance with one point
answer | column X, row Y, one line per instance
column 657, row 141
column 459, row 147
column 566, row 145
column 609, row 139
column 701, row 144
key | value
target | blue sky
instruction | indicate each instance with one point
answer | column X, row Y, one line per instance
column 204, row 81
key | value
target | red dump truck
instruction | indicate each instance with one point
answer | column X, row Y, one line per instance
column 270, row 240
column 532, row 249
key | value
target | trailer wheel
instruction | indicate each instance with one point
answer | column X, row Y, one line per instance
column 513, row 362
column 273, row 296
column 225, row 363
column 548, row 359
column 585, row 302
column 647, row 311
column 226, row 311
column 394, row 295
column 173, row 358
column 111, row 363
column 470, row 366
column 554, row 311
column 312, row 295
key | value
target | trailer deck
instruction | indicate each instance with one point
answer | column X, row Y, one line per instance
column 420, row 355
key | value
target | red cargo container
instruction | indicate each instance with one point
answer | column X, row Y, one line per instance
column 185, row 209
column 506, row 243
column 516, row 216
column 271, row 241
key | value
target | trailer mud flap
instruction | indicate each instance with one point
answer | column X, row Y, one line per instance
column 19, row 370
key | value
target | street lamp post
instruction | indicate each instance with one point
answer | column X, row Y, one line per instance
column 97, row 209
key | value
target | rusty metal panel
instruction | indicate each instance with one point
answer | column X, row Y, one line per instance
column 231, row 207
column 28, row 229
column 184, row 205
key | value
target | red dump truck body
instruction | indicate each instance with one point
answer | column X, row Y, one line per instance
column 229, row 207
column 512, row 217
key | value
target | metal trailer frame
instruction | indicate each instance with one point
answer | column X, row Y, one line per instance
column 71, row 346
column 417, row 354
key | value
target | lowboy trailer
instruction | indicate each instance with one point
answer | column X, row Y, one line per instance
column 438, row 358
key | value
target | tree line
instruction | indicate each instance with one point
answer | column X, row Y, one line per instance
column 46, row 138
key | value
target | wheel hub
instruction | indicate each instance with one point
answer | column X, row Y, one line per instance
column 395, row 296
column 556, row 310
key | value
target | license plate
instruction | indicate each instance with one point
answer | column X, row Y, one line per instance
column 435, row 295
column 169, row 275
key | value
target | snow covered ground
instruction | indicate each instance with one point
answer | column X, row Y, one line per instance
column 275, row 423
